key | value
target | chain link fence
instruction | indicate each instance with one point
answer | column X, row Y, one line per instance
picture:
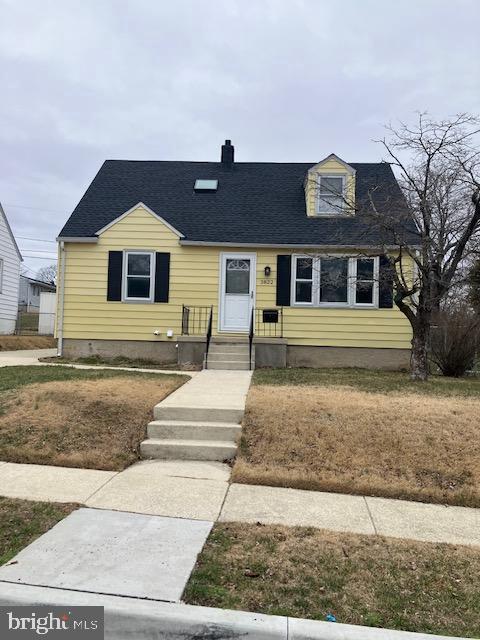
column 30, row 323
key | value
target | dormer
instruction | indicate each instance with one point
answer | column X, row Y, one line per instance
column 330, row 188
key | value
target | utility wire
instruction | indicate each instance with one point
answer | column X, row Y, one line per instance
column 36, row 239
column 44, row 258
column 23, row 206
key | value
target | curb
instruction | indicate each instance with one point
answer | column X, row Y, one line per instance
column 127, row 618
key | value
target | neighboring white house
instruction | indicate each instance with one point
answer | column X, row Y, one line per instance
column 10, row 259
column 30, row 290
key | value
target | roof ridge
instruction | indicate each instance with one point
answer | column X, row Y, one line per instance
column 381, row 162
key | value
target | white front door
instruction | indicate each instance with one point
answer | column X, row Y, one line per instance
column 237, row 292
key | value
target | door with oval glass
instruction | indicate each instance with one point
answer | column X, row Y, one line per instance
column 237, row 293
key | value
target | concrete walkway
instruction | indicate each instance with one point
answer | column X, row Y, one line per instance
column 201, row 491
column 24, row 356
column 112, row 552
column 30, row 357
column 222, row 392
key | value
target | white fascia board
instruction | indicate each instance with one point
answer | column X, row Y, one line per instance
column 332, row 156
column 89, row 239
column 150, row 211
column 9, row 230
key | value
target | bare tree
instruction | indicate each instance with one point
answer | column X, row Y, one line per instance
column 48, row 273
column 438, row 167
column 429, row 231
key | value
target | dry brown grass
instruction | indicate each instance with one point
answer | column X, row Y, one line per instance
column 80, row 423
column 14, row 343
column 400, row 445
column 307, row 573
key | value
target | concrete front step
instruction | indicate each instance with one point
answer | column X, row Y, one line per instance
column 229, row 348
column 232, row 365
column 214, row 356
column 187, row 449
column 185, row 430
column 229, row 339
column 197, row 414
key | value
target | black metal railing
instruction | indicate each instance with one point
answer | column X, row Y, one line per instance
column 195, row 320
column 209, row 336
column 269, row 322
column 251, row 333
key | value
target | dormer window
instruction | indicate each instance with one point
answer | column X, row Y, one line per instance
column 331, row 195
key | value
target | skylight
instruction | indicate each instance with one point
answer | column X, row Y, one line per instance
column 206, row 185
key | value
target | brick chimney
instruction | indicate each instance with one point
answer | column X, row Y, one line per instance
column 227, row 153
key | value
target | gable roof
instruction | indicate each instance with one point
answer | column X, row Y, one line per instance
column 333, row 156
column 143, row 206
column 42, row 283
column 4, row 216
column 255, row 203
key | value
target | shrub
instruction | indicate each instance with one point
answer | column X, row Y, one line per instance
column 454, row 340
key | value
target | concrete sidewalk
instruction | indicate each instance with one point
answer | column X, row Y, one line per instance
column 200, row 491
column 30, row 357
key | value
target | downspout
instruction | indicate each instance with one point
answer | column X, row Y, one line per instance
column 61, row 298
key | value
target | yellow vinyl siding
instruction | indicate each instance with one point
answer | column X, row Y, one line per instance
column 194, row 280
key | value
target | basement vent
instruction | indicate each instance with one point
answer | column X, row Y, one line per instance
column 205, row 186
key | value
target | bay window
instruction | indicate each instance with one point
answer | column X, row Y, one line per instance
column 335, row 281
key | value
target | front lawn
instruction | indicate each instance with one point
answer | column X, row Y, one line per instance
column 363, row 432
column 75, row 417
column 22, row 521
column 369, row 380
column 121, row 361
column 366, row 580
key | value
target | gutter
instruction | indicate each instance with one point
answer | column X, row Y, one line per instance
column 259, row 245
column 127, row 617
column 61, row 299
column 87, row 239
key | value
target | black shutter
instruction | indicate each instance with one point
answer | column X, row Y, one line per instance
column 115, row 264
column 284, row 280
column 385, row 285
column 162, row 276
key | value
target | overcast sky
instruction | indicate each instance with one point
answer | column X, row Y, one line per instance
column 286, row 80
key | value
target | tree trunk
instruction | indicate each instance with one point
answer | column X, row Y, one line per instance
column 419, row 357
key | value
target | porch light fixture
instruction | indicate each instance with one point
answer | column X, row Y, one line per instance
column 267, row 271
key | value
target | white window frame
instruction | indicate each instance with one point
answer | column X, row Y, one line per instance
column 333, row 212
column 1, row 275
column 375, row 294
column 125, row 276
column 296, row 258
column 334, row 305
column 351, row 283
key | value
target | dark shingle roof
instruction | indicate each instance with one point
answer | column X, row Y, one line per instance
column 256, row 202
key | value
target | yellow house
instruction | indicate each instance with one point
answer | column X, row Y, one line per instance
column 169, row 260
